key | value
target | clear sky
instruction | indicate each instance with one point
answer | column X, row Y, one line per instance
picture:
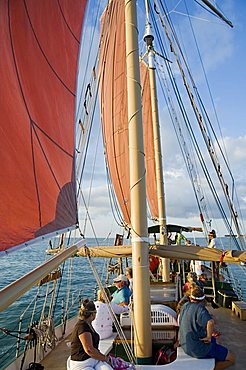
column 223, row 51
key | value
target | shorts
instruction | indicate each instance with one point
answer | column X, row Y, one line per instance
column 217, row 351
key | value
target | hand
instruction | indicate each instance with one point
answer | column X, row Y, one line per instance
column 206, row 340
column 107, row 359
column 216, row 334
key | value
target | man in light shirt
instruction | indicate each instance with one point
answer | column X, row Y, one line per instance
column 212, row 239
column 213, row 244
column 122, row 294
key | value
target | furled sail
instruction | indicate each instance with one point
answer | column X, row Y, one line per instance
column 38, row 66
column 113, row 104
column 178, row 252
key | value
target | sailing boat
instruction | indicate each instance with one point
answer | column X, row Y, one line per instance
column 37, row 82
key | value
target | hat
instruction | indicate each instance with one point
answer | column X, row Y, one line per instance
column 119, row 278
column 212, row 232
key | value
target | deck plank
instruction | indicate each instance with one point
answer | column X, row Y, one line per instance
column 57, row 359
column 233, row 332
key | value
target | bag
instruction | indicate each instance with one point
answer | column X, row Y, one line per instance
column 35, row 366
column 118, row 363
column 165, row 355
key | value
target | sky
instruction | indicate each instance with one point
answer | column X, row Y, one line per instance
column 223, row 51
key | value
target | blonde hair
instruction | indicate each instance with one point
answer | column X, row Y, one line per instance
column 191, row 277
column 87, row 308
column 191, row 286
column 100, row 295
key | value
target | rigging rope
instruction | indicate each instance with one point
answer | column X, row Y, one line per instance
column 125, row 344
column 204, row 133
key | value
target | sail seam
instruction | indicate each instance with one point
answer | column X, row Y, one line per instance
column 44, row 55
column 64, row 18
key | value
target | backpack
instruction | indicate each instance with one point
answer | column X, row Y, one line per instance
column 165, row 355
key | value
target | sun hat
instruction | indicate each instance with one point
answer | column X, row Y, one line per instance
column 119, row 278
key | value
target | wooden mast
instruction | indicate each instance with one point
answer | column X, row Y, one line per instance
column 148, row 38
column 139, row 231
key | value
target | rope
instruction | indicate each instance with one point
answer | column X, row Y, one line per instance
column 8, row 332
column 199, row 119
column 69, row 281
column 126, row 346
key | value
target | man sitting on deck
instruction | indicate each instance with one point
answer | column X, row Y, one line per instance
column 122, row 295
column 196, row 329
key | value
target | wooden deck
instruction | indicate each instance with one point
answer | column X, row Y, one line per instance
column 233, row 333
column 57, row 359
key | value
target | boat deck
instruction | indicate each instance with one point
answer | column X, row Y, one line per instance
column 232, row 330
column 57, row 359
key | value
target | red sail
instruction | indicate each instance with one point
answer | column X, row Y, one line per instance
column 38, row 66
column 113, row 95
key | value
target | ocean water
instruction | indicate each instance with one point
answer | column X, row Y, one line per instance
column 77, row 278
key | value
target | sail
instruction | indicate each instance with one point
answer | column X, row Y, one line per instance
column 113, row 105
column 178, row 252
column 151, row 185
column 113, row 101
column 38, row 66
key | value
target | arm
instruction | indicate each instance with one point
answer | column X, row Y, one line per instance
column 86, row 341
column 118, row 309
column 210, row 329
column 123, row 304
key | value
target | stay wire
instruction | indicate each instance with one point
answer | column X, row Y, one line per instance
column 85, row 67
column 194, row 85
column 176, row 91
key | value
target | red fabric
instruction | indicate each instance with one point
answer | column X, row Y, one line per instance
column 114, row 115
column 153, row 263
column 38, row 66
column 113, row 96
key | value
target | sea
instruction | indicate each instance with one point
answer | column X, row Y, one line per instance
column 77, row 283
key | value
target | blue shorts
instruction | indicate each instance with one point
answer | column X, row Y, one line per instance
column 217, row 351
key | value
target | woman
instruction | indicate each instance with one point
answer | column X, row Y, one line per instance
column 129, row 277
column 85, row 342
column 103, row 324
column 186, row 297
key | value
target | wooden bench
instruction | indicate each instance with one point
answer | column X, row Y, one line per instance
column 239, row 308
column 184, row 362
column 105, row 346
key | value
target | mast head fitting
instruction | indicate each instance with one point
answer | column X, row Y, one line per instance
column 148, row 36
